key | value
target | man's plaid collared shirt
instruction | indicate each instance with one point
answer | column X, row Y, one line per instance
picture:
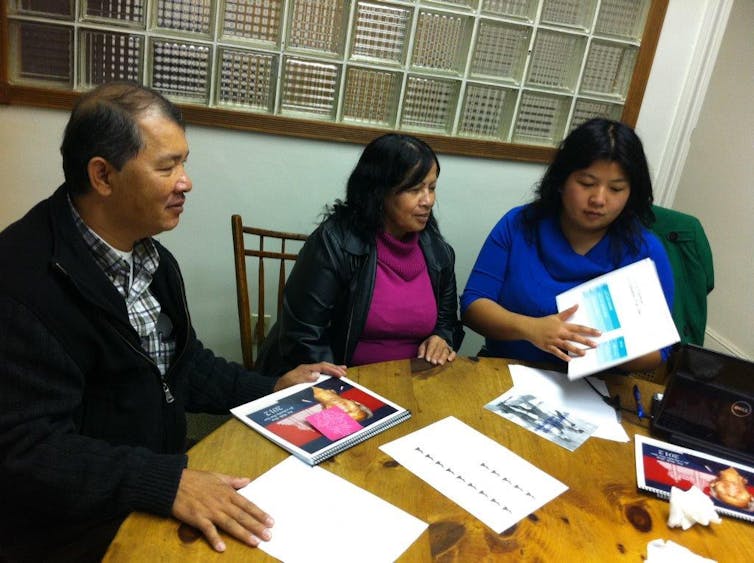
column 132, row 280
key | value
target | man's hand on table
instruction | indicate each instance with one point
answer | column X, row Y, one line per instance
column 308, row 373
column 210, row 501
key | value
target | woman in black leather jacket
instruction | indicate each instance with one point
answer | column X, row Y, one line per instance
column 375, row 281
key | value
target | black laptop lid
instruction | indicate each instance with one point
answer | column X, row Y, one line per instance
column 708, row 404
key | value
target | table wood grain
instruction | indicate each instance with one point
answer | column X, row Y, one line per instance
column 601, row 517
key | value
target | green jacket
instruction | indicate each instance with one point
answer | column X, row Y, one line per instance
column 691, row 259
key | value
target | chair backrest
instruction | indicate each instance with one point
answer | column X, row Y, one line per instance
column 249, row 242
column 690, row 256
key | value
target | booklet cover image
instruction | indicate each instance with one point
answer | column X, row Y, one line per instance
column 730, row 485
column 287, row 418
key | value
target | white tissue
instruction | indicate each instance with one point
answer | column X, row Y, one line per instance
column 691, row 507
column 666, row 551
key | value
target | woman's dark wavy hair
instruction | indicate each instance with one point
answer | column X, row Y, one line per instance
column 389, row 164
column 104, row 123
column 598, row 139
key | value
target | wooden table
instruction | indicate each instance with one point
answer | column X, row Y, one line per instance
column 602, row 516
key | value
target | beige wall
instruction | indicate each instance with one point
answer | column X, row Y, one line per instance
column 717, row 184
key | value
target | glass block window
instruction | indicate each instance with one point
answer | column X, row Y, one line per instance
column 622, row 19
column 180, row 69
column 556, row 60
column 61, row 8
column 42, row 53
column 253, row 21
column 380, row 32
column 429, row 104
column 608, row 69
column 246, row 79
column 572, row 13
column 310, row 87
column 463, row 3
column 524, row 9
column 508, row 71
column 107, row 56
column 371, row 96
column 441, row 41
column 586, row 109
column 123, row 12
column 541, row 118
column 194, row 16
column 317, row 25
column 486, row 111
column 500, row 51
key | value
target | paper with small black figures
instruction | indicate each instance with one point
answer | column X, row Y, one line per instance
column 483, row 477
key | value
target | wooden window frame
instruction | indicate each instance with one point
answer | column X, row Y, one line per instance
column 24, row 95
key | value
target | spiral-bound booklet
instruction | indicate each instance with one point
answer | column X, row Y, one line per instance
column 661, row 466
column 315, row 421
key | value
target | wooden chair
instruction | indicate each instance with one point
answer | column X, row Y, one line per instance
column 249, row 242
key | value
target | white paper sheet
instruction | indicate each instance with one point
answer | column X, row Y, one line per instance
column 575, row 396
column 322, row 517
column 629, row 307
column 485, row 478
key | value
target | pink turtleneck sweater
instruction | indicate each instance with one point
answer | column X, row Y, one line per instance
column 403, row 311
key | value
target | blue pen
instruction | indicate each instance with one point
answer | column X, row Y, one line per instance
column 639, row 408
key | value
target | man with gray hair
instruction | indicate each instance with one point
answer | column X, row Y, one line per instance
column 99, row 361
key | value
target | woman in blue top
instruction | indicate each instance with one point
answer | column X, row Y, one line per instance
column 590, row 216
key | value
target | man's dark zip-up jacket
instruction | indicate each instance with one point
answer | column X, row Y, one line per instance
column 329, row 291
column 89, row 430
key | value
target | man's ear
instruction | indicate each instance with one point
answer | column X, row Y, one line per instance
column 100, row 172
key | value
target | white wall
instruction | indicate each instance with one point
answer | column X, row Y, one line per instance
column 716, row 184
column 271, row 181
column 284, row 182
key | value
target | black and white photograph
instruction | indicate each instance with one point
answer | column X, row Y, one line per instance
column 557, row 425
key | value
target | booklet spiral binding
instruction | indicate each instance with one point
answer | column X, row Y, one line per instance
column 287, row 417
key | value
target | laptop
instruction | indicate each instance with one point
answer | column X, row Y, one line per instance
column 708, row 404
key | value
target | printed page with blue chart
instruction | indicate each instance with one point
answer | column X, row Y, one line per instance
column 629, row 308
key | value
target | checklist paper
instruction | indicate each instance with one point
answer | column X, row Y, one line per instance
column 483, row 477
